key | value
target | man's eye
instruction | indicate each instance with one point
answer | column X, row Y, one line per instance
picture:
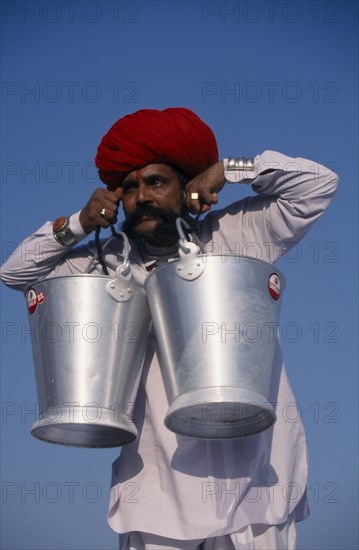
column 128, row 187
column 156, row 183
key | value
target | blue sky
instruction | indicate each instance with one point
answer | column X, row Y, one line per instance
column 264, row 75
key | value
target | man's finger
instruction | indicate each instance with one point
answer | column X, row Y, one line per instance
column 194, row 196
column 119, row 193
column 196, row 205
column 195, row 200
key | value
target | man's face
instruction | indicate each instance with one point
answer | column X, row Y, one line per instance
column 152, row 200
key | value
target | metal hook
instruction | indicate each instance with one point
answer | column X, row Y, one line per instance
column 186, row 246
column 125, row 267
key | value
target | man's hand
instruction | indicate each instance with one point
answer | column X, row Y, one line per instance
column 207, row 185
column 101, row 209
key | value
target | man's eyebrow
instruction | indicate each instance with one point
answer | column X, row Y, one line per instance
column 151, row 177
column 128, row 181
column 148, row 177
column 155, row 175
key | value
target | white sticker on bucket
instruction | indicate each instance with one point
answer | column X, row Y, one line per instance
column 274, row 286
column 31, row 300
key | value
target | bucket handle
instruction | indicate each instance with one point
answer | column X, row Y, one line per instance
column 189, row 267
column 125, row 267
column 119, row 288
column 184, row 244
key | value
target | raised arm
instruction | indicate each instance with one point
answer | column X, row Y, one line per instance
column 291, row 195
column 43, row 254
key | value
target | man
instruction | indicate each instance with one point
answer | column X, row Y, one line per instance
column 170, row 491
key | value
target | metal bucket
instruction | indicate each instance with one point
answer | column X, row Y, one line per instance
column 89, row 337
column 216, row 320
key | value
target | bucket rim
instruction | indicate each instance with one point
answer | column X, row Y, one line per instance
column 71, row 276
column 238, row 256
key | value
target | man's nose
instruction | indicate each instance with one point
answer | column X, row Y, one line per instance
column 143, row 193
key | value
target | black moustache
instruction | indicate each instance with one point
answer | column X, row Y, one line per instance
column 167, row 221
column 152, row 212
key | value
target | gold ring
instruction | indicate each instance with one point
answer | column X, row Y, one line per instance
column 194, row 196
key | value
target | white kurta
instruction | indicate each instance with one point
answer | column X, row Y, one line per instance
column 180, row 487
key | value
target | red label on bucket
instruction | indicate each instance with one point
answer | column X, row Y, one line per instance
column 40, row 297
column 31, row 301
column 274, row 286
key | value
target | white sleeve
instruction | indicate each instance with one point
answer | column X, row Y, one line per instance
column 291, row 195
column 40, row 254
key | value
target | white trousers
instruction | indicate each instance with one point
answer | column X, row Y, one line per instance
column 252, row 537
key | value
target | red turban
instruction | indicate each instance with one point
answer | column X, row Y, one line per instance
column 174, row 136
